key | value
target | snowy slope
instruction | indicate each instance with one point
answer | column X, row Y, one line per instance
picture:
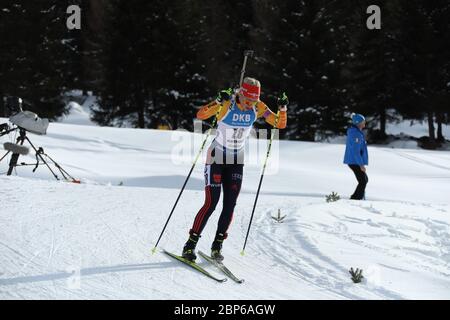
column 79, row 111
column 94, row 240
column 78, row 114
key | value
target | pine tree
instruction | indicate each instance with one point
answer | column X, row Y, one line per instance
column 149, row 74
column 92, row 35
column 374, row 66
column 36, row 62
column 302, row 54
column 426, row 67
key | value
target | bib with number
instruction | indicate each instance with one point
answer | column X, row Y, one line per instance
column 235, row 127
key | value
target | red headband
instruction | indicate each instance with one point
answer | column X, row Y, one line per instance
column 250, row 91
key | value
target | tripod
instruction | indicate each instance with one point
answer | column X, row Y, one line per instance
column 18, row 149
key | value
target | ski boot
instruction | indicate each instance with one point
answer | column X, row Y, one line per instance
column 189, row 247
column 216, row 247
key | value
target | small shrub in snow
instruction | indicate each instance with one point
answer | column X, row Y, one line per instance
column 356, row 275
column 333, row 197
column 279, row 218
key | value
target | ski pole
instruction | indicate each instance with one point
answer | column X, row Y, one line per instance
column 260, row 182
column 188, row 176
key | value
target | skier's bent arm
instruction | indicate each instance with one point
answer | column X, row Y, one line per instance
column 271, row 117
column 211, row 109
column 207, row 111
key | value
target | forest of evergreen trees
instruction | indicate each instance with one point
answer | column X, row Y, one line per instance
column 153, row 62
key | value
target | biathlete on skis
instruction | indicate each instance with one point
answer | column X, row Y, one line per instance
column 236, row 114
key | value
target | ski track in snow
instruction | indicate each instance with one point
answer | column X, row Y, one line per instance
column 93, row 241
column 418, row 159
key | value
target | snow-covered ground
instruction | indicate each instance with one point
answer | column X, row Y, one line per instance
column 94, row 240
column 80, row 114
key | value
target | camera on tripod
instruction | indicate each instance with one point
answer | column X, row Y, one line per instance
column 23, row 121
column 27, row 121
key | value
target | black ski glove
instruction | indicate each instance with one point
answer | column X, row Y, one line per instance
column 282, row 102
column 224, row 95
column 356, row 275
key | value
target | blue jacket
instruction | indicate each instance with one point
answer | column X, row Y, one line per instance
column 356, row 148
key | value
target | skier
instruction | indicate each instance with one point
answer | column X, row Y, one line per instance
column 356, row 155
column 236, row 114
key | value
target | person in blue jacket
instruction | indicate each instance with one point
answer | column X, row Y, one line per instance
column 356, row 156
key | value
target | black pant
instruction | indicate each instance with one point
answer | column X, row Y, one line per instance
column 362, row 178
column 228, row 176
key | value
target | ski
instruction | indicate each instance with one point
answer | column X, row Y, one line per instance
column 194, row 266
column 221, row 267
